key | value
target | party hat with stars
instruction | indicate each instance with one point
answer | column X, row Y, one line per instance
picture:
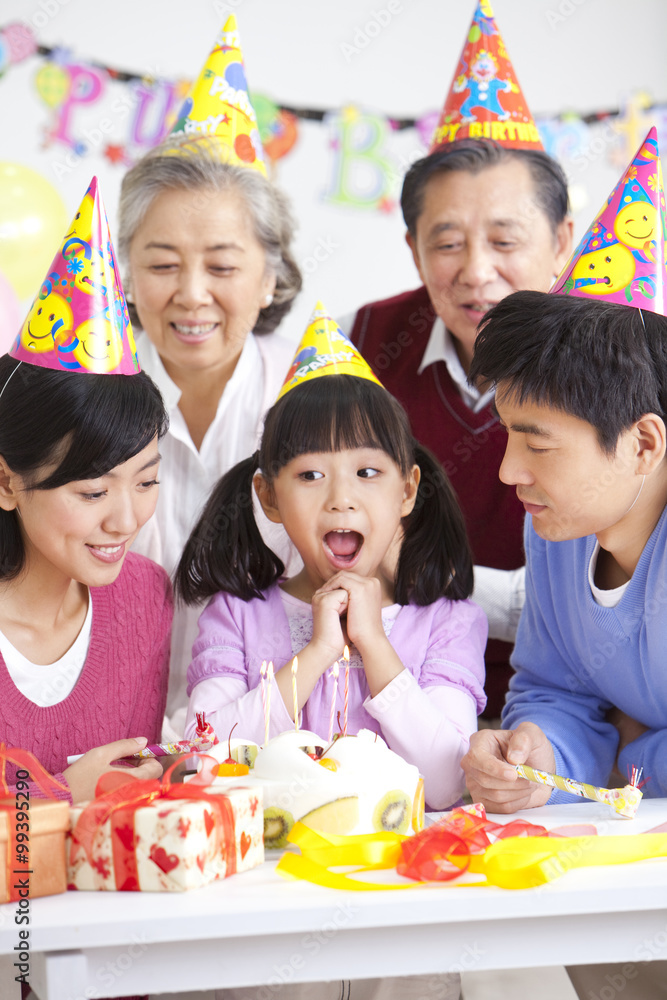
column 485, row 100
column 324, row 350
column 218, row 109
column 623, row 255
column 79, row 320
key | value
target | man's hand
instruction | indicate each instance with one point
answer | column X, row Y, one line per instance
column 490, row 777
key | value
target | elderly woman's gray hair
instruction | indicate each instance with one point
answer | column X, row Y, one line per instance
column 198, row 166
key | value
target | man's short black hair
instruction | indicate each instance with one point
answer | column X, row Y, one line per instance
column 603, row 362
column 475, row 155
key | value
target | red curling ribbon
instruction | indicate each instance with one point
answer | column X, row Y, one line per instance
column 41, row 777
column 38, row 773
column 117, row 800
column 445, row 850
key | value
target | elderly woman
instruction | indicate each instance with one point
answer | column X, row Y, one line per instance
column 209, row 274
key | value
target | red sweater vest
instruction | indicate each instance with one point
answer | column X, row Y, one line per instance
column 392, row 335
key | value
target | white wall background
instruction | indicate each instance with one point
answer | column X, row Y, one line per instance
column 582, row 55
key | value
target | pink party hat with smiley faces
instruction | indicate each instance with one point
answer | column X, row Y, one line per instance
column 79, row 320
column 622, row 257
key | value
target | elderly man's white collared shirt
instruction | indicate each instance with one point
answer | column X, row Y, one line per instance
column 441, row 347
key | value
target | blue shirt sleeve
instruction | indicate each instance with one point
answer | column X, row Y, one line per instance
column 551, row 687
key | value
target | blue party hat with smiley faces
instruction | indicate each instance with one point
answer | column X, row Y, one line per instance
column 622, row 257
column 79, row 320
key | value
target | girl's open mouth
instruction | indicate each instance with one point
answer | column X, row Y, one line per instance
column 343, row 547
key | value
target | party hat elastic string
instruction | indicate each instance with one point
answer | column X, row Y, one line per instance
column 10, row 378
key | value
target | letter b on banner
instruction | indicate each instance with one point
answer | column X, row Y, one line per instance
column 360, row 176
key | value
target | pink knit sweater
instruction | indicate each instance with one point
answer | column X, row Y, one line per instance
column 122, row 689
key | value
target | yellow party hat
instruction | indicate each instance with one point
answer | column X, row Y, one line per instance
column 324, row 350
column 79, row 320
column 218, row 110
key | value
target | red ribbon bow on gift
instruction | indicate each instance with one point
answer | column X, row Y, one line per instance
column 45, row 782
column 118, row 798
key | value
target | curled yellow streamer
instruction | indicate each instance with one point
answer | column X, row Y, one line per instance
column 512, row 863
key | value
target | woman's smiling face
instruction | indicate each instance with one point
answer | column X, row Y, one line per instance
column 83, row 530
column 198, row 277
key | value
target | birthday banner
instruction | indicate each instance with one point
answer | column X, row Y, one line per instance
column 94, row 111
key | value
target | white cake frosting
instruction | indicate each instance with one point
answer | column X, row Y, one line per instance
column 368, row 788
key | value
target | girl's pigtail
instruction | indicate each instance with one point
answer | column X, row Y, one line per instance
column 225, row 550
column 435, row 559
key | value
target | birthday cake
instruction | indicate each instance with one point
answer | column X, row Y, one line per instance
column 354, row 785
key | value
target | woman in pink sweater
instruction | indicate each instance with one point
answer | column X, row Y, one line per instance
column 84, row 625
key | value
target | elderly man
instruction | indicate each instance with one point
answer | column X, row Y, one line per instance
column 486, row 214
column 483, row 220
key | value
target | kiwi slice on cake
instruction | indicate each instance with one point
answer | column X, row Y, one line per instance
column 277, row 824
column 393, row 812
column 245, row 753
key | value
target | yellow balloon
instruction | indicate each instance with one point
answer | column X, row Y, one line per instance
column 33, row 221
column 53, row 84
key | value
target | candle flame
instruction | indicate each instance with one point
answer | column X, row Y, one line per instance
column 346, row 653
column 295, row 664
column 335, row 670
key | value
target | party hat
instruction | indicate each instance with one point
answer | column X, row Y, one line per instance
column 622, row 257
column 324, row 350
column 218, row 109
column 79, row 320
column 485, row 100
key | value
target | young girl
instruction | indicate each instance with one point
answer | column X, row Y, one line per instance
column 84, row 626
column 386, row 569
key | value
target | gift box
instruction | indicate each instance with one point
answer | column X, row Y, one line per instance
column 33, row 843
column 168, row 839
column 32, row 830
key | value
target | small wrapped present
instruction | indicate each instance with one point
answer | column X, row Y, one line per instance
column 32, row 832
column 154, row 836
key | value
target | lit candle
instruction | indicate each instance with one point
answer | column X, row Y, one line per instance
column 269, row 682
column 262, row 684
column 346, row 660
column 295, row 664
column 334, row 674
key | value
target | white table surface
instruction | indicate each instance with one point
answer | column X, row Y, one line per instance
column 258, row 928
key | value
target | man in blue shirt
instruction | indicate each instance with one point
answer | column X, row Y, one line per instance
column 581, row 388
